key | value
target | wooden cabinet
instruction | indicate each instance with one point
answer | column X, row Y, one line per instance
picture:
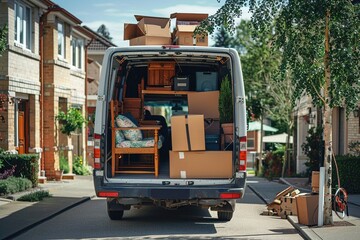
column 160, row 73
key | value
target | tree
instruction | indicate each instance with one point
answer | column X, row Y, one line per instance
column 3, row 38
column 264, row 85
column 319, row 41
column 222, row 38
column 103, row 31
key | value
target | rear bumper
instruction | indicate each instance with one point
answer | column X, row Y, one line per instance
column 160, row 192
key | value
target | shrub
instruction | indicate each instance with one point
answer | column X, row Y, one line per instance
column 35, row 196
column 79, row 168
column 13, row 185
column 272, row 163
column 348, row 171
column 314, row 149
column 64, row 164
column 354, row 148
column 27, row 165
column 71, row 121
column 8, row 173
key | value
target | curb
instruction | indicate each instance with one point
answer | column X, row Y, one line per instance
column 304, row 231
column 21, row 231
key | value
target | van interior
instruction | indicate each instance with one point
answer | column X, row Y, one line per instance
column 152, row 88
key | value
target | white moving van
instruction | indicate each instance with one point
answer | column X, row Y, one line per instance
column 158, row 139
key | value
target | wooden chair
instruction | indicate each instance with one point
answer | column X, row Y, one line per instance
column 119, row 151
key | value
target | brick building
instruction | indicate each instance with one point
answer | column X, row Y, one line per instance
column 42, row 72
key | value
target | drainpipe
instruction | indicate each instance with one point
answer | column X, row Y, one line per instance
column 86, row 91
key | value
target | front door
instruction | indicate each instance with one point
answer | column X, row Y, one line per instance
column 23, row 128
column 21, row 132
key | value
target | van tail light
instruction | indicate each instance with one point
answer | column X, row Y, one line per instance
column 230, row 195
column 242, row 154
column 97, row 138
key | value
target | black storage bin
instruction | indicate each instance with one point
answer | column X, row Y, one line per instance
column 212, row 142
column 181, row 84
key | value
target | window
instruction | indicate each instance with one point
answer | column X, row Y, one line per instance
column 77, row 48
column 22, row 25
column 251, row 143
column 61, row 40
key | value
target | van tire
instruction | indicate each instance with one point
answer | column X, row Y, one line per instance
column 116, row 215
column 225, row 216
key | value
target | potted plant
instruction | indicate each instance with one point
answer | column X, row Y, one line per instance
column 226, row 106
column 71, row 121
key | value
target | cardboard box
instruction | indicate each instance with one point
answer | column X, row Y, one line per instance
column 288, row 206
column 315, row 178
column 210, row 109
column 185, row 26
column 187, row 133
column 307, row 208
column 147, row 26
column 201, row 164
column 150, row 40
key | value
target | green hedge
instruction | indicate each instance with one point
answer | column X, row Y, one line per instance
column 27, row 165
column 349, row 173
column 14, row 185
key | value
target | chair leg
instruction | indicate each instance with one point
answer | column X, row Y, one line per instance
column 113, row 164
column 156, row 162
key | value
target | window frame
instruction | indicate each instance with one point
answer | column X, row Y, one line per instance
column 61, row 44
column 23, row 24
column 77, row 52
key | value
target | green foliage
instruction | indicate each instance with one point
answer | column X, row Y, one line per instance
column 354, row 148
column 103, row 31
column 314, row 149
column 222, row 38
column 3, row 38
column 35, row 196
column 79, row 168
column 272, row 163
column 64, row 163
column 14, row 184
column 226, row 101
column 27, row 165
column 349, row 173
column 71, row 121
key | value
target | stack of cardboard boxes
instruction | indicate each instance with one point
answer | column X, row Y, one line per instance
column 307, row 203
column 291, row 202
column 188, row 158
column 156, row 30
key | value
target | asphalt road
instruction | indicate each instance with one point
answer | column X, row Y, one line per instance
column 90, row 221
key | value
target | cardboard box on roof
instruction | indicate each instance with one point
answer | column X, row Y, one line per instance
column 157, row 28
column 150, row 40
column 185, row 27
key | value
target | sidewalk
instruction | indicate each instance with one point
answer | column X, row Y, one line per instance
column 348, row 228
column 17, row 216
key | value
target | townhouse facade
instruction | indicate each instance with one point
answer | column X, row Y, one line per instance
column 345, row 129
column 42, row 72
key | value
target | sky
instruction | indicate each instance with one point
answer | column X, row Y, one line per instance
column 114, row 13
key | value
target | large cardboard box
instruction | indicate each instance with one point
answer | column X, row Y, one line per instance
column 307, row 208
column 210, row 109
column 187, row 133
column 201, row 164
column 148, row 31
column 150, row 40
column 315, row 178
column 185, row 26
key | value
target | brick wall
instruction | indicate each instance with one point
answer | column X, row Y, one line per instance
column 353, row 128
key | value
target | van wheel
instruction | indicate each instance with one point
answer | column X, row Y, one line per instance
column 225, row 216
column 115, row 215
